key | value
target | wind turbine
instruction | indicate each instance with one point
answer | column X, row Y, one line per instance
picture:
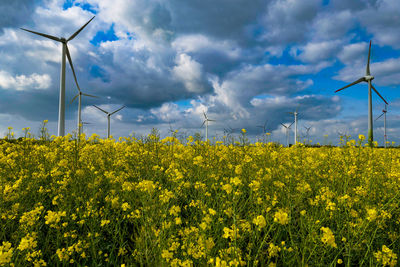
column 367, row 78
column 65, row 52
column 79, row 107
column 230, row 130
column 206, row 120
column 108, row 117
column 307, row 130
column 384, row 124
column 295, row 125
column 263, row 127
column 287, row 132
column 84, row 123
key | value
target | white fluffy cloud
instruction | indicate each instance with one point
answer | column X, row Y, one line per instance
column 22, row 82
column 190, row 73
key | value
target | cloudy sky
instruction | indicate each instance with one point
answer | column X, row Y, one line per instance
column 242, row 62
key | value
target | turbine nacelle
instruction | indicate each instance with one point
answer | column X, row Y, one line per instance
column 368, row 78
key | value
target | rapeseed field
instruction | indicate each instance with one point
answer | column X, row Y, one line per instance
column 154, row 202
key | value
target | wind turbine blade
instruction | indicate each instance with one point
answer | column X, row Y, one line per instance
column 211, row 120
column 100, row 109
column 379, row 94
column 283, row 125
column 117, row 110
column 380, row 116
column 290, row 124
column 78, row 31
column 73, row 99
column 44, row 35
column 205, row 116
column 362, row 79
column 203, row 123
column 72, row 67
column 369, row 56
column 89, row 95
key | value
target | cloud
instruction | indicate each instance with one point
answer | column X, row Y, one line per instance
column 382, row 19
column 354, row 53
column 332, row 24
column 288, row 21
column 190, row 73
column 386, row 73
column 16, row 12
column 22, row 82
column 316, row 52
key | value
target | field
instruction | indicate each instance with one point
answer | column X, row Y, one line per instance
column 155, row 202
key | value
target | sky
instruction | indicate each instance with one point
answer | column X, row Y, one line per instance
column 245, row 63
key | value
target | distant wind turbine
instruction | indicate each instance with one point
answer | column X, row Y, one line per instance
column 307, row 130
column 79, row 95
column 108, row 117
column 295, row 125
column 206, row 120
column 287, row 132
column 264, row 127
column 368, row 78
column 65, row 52
column 84, row 123
column 384, row 124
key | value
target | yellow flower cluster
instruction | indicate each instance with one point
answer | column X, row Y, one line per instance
column 327, row 237
column 6, row 252
column 386, row 257
column 170, row 202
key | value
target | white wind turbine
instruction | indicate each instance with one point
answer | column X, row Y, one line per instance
column 307, row 136
column 295, row 125
column 384, row 124
column 108, row 117
column 84, row 123
column 65, row 52
column 206, row 120
column 79, row 95
column 287, row 132
column 264, row 127
column 368, row 78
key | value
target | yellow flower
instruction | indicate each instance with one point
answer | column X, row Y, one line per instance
column 227, row 188
column 260, row 221
column 174, row 210
column 361, row 137
column 104, row 222
column 386, row 257
column 28, row 242
column 327, row 237
column 125, row 206
column 273, row 250
column 6, row 252
column 281, row 217
column 339, row 261
column 243, row 130
column 166, row 254
column 371, row 214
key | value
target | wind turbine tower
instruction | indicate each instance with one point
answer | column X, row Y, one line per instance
column 287, row 132
column 368, row 78
column 206, row 120
column 384, row 124
column 295, row 125
column 108, row 117
column 80, row 93
column 65, row 52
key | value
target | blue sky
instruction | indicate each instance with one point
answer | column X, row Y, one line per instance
column 243, row 62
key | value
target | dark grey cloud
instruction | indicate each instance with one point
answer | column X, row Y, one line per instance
column 14, row 12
